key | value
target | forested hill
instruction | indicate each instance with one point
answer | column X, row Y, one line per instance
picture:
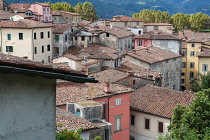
column 109, row 8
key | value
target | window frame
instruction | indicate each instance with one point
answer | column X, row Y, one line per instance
column 56, row 38
column 41, row 35
column 42, row 49
column 9, row 49
column 118, row 101
column 145, row 124
column 20, row 36
column 48, row 34
column 192, row 64
column 204, row 67
column 8, row 36
column 118, row 122
column 132, row 122
column 159, row 127
column 35, row 50
column 140, row 42
column 34, row 35
column 192, row 53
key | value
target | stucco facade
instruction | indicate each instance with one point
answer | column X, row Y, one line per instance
column 165, row 27
column 169, row 45
column 39, row 49
column 42, row 12
column 121, row 111
column 138, row 131
column 28, row 106
column 169, row 69
column 121, row 44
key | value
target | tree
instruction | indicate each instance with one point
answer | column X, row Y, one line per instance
column 88, row 11
column 201, row 82
column 71, row 135
column 197, row 21
column 78, row 8
column 62, row 6
column 180, row 21
column 192, row 122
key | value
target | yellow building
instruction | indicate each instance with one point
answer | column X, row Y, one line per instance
column 196, row 59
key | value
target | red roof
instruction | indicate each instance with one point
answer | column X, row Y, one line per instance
column 159, row 101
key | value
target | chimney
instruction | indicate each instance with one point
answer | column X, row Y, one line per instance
column 107, row 88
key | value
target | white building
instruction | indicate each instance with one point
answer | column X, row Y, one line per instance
column 152, row 109
column 27, row 38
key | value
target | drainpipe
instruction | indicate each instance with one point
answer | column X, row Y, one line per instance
column 32, row 44
column 1, row 40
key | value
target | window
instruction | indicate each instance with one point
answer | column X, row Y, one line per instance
column 184, row 53
column 174, row 87
column 182, row 80
column 65, row 38
column 48, row 34
column 155, row 27
column 191, row 74
column 107, row 34
column 192, row 64
column 205, row 67
column 193, row 45
column 83, row 38
column 56, row 38
column 9, row 36
column 48, row 47
column 49, row 59
column 174, row 59
column 20, row 36
column 9, row 48
column 192, row 53
column 34, row 35
column 140, row 42
column 75, row 38
column 166, row 61
column 42, row 61
column 139, row 32
column 89, row 38
column 118, row 101
column 35, row 50
column 42, row 35
column 160, row 127
column 132, row 120
column 43, row 9
column 183, row 64
column 147, row 123
column 166, row 76
column 42, row 49
column 118, row 120
column 183, row 74
column 132, row 138
column 56, row 50
column 134, row 82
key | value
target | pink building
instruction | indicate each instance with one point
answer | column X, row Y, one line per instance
column 114, row 98
column 41, row 12
column 143, row 40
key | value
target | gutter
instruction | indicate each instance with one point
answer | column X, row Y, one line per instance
column 49, row 75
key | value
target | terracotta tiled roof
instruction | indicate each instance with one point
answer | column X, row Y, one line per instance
column 124, row 18
column 110, row 75
column 158, row 24
column 194, row 36
column 69, row 92
column 19, row 7
column 14, row 61
column 159, row 100
column 138, row 70
column 118, row 32
column 158, row 35
column 5, row 15
column 95, row 51
column 60, row 28
column 152, row 54
column 25, row 23
column 205, row 52
column 71, row 121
